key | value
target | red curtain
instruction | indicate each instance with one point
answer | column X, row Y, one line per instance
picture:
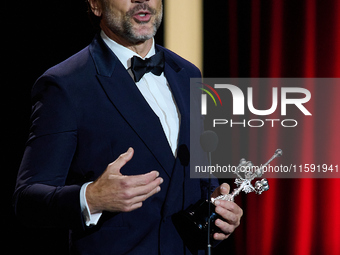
column 299, row 38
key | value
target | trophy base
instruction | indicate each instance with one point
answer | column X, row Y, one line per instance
column 192, row 223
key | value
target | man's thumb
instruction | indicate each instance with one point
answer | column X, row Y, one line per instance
column 116, row 165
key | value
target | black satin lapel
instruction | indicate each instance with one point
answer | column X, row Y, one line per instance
column 180, row 88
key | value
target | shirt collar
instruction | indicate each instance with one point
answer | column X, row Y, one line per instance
column 124, row 54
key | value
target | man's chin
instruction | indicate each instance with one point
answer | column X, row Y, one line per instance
column 143, row 34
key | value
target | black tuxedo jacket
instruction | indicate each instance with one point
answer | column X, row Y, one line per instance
column 87, row 110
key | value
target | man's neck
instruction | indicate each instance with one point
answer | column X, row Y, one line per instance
column 141, row 48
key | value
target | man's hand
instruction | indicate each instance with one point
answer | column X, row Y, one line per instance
column 115, row 192
column 229, row 211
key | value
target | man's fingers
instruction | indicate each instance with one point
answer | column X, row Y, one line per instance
column 116, row 165
column 113, row 191
column 143, row 197
column 229, row 216
column 143, row 190
column 132, row 206
column 230, row 206
column 133, row 201
column 226, row 228
column 143, row 179
column 223, row 189
column 132, row 181
column 220, row 236
column 230, row 211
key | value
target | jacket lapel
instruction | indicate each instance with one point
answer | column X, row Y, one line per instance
column 127, row 99
column 179, row 82
column 179, row 88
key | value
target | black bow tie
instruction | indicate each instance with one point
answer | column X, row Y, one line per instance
column 155, row 64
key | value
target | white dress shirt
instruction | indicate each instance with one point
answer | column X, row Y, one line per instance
column 156, row 91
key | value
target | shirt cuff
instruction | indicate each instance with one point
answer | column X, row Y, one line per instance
column 90, row 219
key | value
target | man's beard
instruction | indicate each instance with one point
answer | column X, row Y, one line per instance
column 124, row 27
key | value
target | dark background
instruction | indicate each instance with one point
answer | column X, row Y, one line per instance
column 36, row 36
column 242, row 38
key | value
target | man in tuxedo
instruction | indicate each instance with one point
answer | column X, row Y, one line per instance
column 102, row 157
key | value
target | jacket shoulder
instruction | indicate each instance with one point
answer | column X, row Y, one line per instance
column 180, row 62
column 76, row 65
column 69, row 74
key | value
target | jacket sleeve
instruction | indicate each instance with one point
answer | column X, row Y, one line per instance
column 41, row 196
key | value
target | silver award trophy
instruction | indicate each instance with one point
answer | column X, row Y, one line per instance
column 244, row 184
column 194, row 220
